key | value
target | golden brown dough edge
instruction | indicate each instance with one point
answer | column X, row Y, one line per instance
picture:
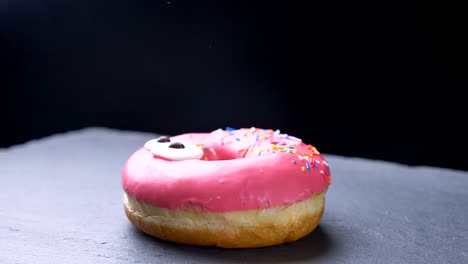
column 239, row 229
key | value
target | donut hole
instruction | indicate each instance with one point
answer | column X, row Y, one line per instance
column 220, row 153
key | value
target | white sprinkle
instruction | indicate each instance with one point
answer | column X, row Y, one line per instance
column 295, row 139
column 213, row 151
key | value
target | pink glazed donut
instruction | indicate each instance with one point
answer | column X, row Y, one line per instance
column 232, row 188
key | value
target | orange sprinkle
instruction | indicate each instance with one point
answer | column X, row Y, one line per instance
column 206, row 158
column 199, row 144
column 303, row 168
column 329, row 180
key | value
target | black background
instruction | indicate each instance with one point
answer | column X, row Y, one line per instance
column 352, row 78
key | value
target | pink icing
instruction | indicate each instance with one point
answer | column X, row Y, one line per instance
column 240, row 170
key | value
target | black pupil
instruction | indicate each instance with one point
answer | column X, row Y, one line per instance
column 163, row 139
column 177, row 145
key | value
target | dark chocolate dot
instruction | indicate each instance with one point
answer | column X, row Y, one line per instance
column 163, row 139
column 177, row 145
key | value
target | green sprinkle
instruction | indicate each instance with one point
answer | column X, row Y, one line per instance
column 294, row 161
column 205, row 148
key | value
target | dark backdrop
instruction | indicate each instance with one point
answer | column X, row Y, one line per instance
column 350, row 77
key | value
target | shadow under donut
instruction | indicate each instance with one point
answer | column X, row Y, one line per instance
column 317, row 244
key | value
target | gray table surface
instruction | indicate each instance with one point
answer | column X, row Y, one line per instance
column 61, row 202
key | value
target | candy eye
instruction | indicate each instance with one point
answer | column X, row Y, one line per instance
column 162, row 147
column 163, row 139
column 176, row 145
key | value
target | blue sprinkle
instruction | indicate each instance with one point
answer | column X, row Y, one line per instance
column 237, row 139
column 257, row 137
column 316, row 166
column 307, row 166
column 230, row 129
column 259, row 154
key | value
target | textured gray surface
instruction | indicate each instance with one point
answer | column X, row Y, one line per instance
column 61, row 202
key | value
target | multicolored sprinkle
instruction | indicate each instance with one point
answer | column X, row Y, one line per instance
column 278, row 143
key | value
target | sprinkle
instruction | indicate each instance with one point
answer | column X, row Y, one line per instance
column 237, row 139
column 300, row 157
column 316, row 166
column 205, row 148
column 259, row 154
column 252, row 129
column 199, row 145
column 302, row 168
column 213, row 151
column 315, row 150
column 329, row 180
column 294, row 161
column 206, row 158
column 251, row 149
column 295, row 139
column 230, row 129
column 307, row 166
column 240, row 150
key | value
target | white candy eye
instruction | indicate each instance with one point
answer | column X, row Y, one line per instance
column 164, row 148
column 158, row 142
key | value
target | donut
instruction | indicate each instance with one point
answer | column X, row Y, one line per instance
column 229, row 188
